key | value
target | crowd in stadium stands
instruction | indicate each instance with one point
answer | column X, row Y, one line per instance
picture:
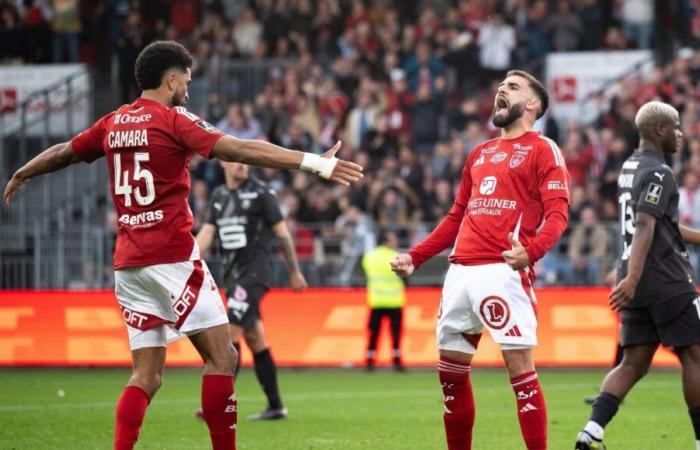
column 408, row 86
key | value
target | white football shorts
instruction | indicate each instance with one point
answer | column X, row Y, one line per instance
column 165, row 302
column 491, row 296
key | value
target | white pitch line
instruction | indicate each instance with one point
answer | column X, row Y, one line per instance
column 317, row 396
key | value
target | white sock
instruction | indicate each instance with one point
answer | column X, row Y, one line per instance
column 697, row 445
column 595, row 430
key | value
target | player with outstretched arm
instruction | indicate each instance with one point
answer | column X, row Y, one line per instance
column 162, row 285
column 511, row 187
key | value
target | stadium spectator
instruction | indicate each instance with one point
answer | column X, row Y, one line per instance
column 496, row 43
column 438, row 202
column 362, row 119
column 638, row 21
column 399, row 104
column 592, row 25
column 207, row 171
column 378, row 143
column 66, row 26
column 355, row 231
column 11, row 34
column 618, row 153
column 424, row 69
column 410, row 169
column 615, row 39
column 392, row 203
column 578, row 157
column 117, row 11
column 37, row 17
column 130, row 41
column 237, row 124
column 689, row 210
column 462, row 115
column 273, row 116
column 689, row 200
column 184, row 15
column 199, row 196
column 588, row 248
column 247, row 32
column 425, row 117
column 534, row 31
column 319, row 207
column 298, row 137
column 565, row 28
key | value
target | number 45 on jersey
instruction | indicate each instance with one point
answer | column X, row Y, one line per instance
column 122, row 181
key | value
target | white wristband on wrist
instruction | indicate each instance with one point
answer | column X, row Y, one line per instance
column 323, row 167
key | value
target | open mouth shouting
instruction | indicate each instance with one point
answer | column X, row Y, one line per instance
column 501, row 103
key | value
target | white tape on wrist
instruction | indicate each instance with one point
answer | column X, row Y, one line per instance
column 318, row 165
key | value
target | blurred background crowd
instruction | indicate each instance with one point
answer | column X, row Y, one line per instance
column 407, row 85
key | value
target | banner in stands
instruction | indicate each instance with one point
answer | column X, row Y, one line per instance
column 66, row 104
column 573, row 78
column 321, row 327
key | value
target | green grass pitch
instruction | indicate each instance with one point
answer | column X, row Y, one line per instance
column 329, row 409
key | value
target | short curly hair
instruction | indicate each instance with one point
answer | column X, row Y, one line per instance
column 652, row 113
column 156, row 59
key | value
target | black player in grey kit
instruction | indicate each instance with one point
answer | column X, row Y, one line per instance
column 655, row 293
column 244, row 216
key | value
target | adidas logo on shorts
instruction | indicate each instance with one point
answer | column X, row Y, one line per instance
column 514, row 332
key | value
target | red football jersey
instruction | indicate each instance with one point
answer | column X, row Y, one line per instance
column 148, row 148
column 505, row 183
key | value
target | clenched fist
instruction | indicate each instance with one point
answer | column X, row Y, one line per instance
column 402, row 265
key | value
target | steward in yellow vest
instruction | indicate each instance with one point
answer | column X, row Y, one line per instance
column 385, row 297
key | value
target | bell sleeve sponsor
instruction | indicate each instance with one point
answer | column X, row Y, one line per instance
column 552, row 175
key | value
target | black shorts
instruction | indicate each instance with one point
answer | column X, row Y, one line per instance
column 243, row 301
column 673, row 323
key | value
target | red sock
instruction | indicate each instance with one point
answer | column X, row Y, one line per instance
column 131, row 408
column 532, row 411
column 220, row 410
column 459, row 403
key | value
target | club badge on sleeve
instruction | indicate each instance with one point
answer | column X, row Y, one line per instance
column 653, row 193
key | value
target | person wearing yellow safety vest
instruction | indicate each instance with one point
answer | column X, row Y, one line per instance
column 385, row 297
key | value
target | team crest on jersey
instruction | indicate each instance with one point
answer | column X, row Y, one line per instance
column 654, row 193
column 499, row 157
column 516, row 160
column 495, row 312
column 246, row 198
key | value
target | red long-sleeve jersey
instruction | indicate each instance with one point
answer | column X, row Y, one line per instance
column 508, row 185
column 148, row 149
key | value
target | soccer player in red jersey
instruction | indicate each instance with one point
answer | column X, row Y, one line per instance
column 164, row 289
column 511, row 208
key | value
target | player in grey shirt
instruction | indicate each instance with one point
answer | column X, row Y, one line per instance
column 655, row 292
column 244, row 216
